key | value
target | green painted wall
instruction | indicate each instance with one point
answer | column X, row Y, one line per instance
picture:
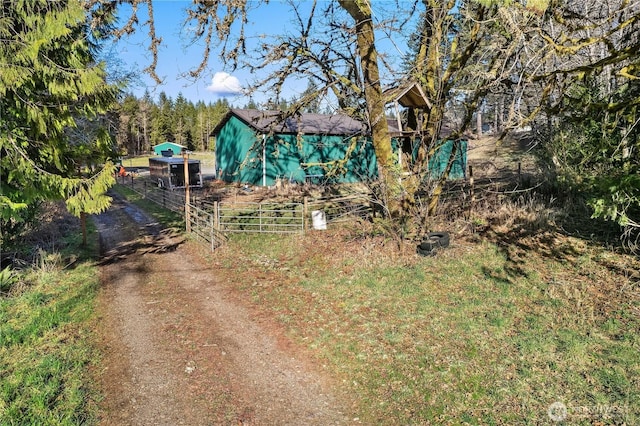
column 438, row 163
column 317, row 158
column 320, row 158
column 177, row 149
column 238, row 153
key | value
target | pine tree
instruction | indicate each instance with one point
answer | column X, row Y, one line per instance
column 311, row 98
column 181, row 119
column 129, row 129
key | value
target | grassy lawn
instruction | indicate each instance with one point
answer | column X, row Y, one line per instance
column 476, row 335
column 167, row 217
column 497, row 329
column 46, row 315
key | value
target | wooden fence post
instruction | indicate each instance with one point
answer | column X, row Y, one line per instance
column 305, row 210
column 216, row 216
column 213, row 230
column 519, row 173
column 472, row 193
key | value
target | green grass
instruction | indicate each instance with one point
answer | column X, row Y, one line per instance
column 46, row 345
column 167, row 217
column 480, row 334
column 461, row 338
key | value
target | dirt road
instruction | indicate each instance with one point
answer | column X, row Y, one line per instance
column 181, row 348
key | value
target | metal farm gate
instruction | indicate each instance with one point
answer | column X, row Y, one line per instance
column 211, row 222
column 203, row 226
column 272, row 218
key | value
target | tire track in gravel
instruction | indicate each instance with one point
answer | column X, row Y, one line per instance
column 180, row 348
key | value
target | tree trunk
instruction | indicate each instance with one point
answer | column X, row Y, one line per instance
column 360, row 11
column 83, row 225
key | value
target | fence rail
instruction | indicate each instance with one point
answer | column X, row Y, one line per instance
column 210, row 221
column 166, row 199
column 267, row 217
column 342, row 209
column 204, row 228
column 276, row 218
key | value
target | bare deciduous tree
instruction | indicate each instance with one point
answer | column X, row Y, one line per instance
column 525, row 56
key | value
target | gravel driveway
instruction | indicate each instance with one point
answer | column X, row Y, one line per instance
column 182, row 348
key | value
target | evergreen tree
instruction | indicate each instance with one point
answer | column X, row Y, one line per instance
column 146, row 105
column 128, row 137
column 310, row 98
column 52, row 91
column 216, row 113
column 162, row 121
column 200, row 128
column 251, row 104
column 180, row 119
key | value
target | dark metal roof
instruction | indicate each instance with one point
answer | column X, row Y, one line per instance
column 305, row 123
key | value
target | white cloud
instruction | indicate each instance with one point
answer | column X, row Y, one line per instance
column 223, row 84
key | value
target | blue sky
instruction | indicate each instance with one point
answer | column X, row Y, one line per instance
column 176, row 58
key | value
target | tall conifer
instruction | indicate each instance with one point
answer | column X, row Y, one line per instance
column 52, row 93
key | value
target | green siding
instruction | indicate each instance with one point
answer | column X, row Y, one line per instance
column 438, row 163
column 238, row 153
column 239, row 156
column 321, row 158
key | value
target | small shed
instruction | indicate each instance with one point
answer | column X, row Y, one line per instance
column 260, row 147
column 168, row 149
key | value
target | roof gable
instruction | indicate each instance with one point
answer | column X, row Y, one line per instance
column 169, row 144
column 305, row 123
column 408, row 95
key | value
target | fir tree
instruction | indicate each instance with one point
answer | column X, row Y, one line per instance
column 52, row 91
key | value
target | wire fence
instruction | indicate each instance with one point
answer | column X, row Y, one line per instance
column 202, row 225
column 211, row 221
column 342, row 209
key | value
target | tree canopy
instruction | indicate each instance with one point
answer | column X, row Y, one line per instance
column 146, row 122
column 52, row 95
column 529, row 63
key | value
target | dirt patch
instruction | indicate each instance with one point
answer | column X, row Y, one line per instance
column 493, row 158
column 182, row 347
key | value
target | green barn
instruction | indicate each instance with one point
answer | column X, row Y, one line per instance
column 168, row 148
column 260, row 147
